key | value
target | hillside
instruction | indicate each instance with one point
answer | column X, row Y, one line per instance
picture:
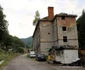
column 27, row 41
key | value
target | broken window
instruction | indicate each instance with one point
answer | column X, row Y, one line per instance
column 63, row 17
column 64, row 38
column 64, row 28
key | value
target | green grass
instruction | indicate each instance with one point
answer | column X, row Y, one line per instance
column 7, row 57
column 28, row 56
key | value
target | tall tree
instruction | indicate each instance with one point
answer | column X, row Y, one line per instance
column 81, row 30
column 3, row 25
column 37, row 17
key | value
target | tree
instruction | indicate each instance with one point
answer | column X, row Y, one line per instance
column 81, row 30
column 37, row 17
column 3, row 25
column 17, row 43
column 7, row 41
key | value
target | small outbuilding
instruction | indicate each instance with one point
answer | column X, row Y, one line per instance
column 64, row 54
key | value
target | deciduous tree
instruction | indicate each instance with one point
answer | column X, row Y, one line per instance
column 37, row 17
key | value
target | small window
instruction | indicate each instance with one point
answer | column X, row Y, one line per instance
column 64, row 28
column 64, row 38
column 48, row 33
column 63, row 17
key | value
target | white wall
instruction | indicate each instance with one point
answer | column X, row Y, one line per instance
column 70, row 55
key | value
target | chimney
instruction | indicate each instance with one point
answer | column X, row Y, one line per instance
column 50, row 13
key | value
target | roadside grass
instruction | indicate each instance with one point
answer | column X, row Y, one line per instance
column 7, row 57
column 28, row 56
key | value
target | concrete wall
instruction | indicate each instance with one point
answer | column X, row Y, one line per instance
column 36, row 40
column 46, row 36
column 44, row 47
column 55, row 32
column 70, row 42
column 46, row 33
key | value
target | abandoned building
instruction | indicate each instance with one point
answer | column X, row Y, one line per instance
column 56, row 30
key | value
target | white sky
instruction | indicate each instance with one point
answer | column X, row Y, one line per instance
column 20, row 13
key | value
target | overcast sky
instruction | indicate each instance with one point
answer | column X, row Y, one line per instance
column 20, row 13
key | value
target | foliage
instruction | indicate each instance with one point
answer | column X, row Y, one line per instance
column 37, row 17
column 3, row 25
column 1, row 51
column 27, row 41
column 81, row 30
column 20, row 50
column 18, row 41
column 16, row 44
column 8, row 42
column 11, row 42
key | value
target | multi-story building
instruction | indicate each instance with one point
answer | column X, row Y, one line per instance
column 55, row 30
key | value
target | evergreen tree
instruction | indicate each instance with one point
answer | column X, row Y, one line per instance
column 81, row 30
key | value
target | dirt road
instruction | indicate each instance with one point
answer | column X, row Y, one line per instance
column 24, row 63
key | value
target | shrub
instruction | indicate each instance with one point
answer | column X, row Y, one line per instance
column 20, row 50
column 1, row 50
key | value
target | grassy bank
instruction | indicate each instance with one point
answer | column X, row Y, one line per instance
column 7, row 57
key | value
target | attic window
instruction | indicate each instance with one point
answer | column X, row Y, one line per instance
column 64, row 38
column 63, row 17
column 64, row 28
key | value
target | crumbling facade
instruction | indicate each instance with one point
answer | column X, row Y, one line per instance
column 54, row 30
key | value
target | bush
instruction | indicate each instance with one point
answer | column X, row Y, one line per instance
column 3, row 56
column 20, row 50
column 1, row 51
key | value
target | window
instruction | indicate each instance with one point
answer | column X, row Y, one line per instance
column 64, row 28
column 64, row 38
column 63, row 17
column 48, row 33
